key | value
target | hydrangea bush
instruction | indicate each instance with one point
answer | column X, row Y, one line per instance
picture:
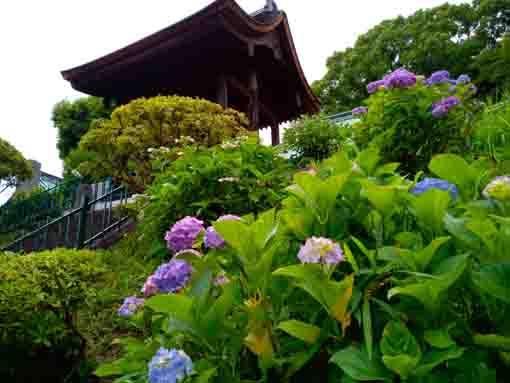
column 410, row 118
column 360, row 275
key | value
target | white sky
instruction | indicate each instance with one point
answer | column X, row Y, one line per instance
column 38, row 39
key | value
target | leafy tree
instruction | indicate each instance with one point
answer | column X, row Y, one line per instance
column 123, row 146
column 13, row 166
column 73, row 120
column 493, row 66
column 449, row 36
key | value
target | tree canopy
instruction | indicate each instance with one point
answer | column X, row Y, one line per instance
column 73, row 120
column 13, row 166
column 464, row 38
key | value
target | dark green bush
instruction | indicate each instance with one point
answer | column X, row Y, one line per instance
column 234, row 178
column 40, row 295
column 312, row 138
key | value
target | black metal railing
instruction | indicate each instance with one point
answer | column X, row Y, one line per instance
column 81, row 227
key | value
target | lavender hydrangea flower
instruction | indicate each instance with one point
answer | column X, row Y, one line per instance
column 401, row 78
column 221, row 280
column 439, row 77
column 435, row 183
column 212, row 239
column 170, row 277
column 169, row 366
column 375, row 86
column 464, row 79
column 442, row 107
column 130, row 305
column 320, row 250
column 360, row 110
column 498, row 189
column 183, row 234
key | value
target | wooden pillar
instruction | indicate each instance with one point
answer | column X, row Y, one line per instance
column 254, row 107
column 275, row 135
column 222, row 91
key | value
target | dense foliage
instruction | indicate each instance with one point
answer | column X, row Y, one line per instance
column 461, row 37
column 13, row 166
column 40, row 295
column 74, row 118
column 410, row 118
column 239, row 177
column 121, row 146
column 312, row 138
column 355, row 278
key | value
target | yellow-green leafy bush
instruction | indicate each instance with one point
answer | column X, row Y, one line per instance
column 121, row 147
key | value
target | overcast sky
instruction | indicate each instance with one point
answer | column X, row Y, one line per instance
column 40, row 38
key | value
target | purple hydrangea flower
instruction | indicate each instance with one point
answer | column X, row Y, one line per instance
column 375, row 86
column 169, row 366
column 221, row 280
column 401, row 78
column 498, row 189
column 360, row 110
column 442, row 107
column 183, row 234
column 435, row 183
column 320, row 250
column 213, row 240
column 170, row 277
column 130, row 305
column 439, row 77
column 464, row 79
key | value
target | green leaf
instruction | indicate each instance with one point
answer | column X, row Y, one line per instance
column 170, row 303
column 367, row 327
column 428, row 292
column 453, row 169
column 356, row 363
column 439, row 338
column 492, row 341
column 306, row 332
column 368, row 160
column 494, row 279
column 430, row 208
column 350, row 257
column 382, row 197
column 238, row 235
column 477, row 374
column 424, row 257
column 401, row 352
column 434, row 358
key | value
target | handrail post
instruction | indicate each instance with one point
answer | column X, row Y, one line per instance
column 82, row 228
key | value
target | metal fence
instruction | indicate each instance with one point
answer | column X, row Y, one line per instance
column 80, row 227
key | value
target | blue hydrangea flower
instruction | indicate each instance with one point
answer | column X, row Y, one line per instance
column 170, row 277
column 498, row 189
column 401, row 78
column 360, row 110
column 375, row 86
column 464, row 79
column 130, row 305
column 183, row 234
column 439, row 77
column 321, row 250
column 435, row 183
column 169, row 366
column 443, row 107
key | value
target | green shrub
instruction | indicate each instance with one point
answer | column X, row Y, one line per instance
column 40, row 295
column 408, row 283
column 401, row 123
column 312, row 138
column 238, row 177
column 13, row 166
column 120, row 147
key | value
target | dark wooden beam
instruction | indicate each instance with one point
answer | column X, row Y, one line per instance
column 254, row 100
column 222, row 91
column 275, row 135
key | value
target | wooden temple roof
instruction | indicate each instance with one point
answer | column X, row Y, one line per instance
column 221, row 53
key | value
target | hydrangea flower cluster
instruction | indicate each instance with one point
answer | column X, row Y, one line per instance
column 442, row 107
column 360, row 110
column 212, row 239
column 400, row 78
column 170, row 277
column 435, row 183
column 321, row 250
column 221, row 280
column 183, row 234
column 498, row 189
column 130, row 305
column 169, row 366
